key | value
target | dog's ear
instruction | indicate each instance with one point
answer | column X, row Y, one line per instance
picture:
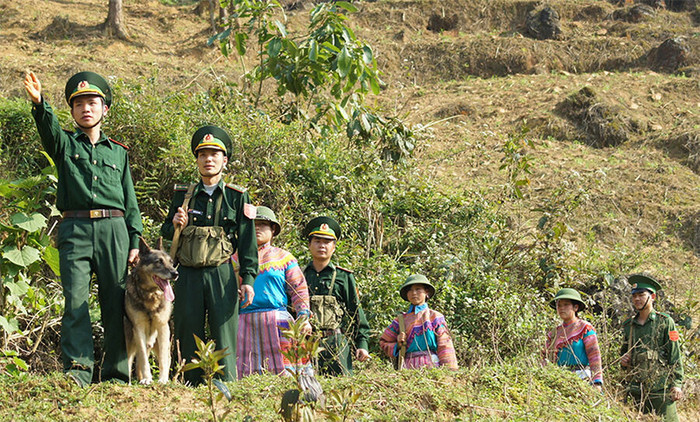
column 143, row 246
column 159, row 243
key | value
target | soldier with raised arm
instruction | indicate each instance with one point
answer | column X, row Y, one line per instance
column 101, row 222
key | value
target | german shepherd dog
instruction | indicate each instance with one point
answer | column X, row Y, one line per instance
column 148, row 305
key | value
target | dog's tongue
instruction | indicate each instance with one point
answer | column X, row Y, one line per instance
column 166, row 288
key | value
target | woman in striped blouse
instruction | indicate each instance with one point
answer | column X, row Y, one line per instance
column 423, row 333
column 280, row 280
column 574, row 344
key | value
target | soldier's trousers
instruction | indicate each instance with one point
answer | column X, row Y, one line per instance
column 208, row 294
column 98, row 246
column 658, row 402
column 336, row 358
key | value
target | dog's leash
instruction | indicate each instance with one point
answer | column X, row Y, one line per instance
column 178, row 229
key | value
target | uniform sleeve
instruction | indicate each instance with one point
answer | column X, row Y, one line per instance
column 167, row 230
column 357, row 314
column 590, row 343
column 625, row 339
column 247, row 245
column 673, row 351
column 297, row 289
column 387, row 342
column 132, row 214
column 52, row 136
column 445, row 347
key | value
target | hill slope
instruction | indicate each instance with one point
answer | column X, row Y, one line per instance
column 467, row 88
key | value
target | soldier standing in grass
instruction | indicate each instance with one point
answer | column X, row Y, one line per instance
column 101, row 222
column 335, row 302
column 216, row 220
column 651, row 354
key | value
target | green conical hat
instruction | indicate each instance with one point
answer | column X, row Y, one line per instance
column 416, row 279
column 88, row 83
column 266, row 214
column 211, row 137
column 570, row 294
column 641, row 282
column 323, row 227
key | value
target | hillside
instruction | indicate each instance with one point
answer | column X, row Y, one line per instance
column 474, row 85
column 614, row 149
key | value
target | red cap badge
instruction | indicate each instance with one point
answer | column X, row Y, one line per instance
column 208, row 137
column 324, row 227
column 83, row 85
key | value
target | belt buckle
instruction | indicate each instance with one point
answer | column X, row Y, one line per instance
column 96, row 214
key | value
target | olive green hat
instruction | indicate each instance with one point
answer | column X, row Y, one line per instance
column 88, row 83
column 323, row 227
column 416, row 279
column 211, row 137
column 641, row 282
column 570, row 294
column 265, row 214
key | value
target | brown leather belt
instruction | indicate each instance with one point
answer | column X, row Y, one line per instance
column 93, row 214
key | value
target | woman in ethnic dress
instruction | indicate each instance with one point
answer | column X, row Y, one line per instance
column 425, row 336
column 574, row 344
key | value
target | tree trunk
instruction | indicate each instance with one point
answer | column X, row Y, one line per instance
column 114, row 25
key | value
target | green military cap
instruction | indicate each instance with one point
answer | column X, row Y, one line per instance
column 212, row 137
column 641, row 282
column 88, row 83
column 323, row 227
column 265, row 214
column 570, row 294
column 416, row 279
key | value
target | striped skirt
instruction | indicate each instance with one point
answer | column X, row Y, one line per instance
column 423, row 359
column 260, row 344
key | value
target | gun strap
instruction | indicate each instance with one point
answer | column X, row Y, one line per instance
column 402, row 350
column 178, row 229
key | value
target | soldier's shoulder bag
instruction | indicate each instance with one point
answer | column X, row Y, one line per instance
column 205, row 246
column 326, row 310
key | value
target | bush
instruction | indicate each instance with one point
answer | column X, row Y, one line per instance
column 395, row 222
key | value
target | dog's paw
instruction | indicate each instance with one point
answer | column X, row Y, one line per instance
column 163, row 380
column 146, row 381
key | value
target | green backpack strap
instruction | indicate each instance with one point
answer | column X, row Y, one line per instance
column 217, row 208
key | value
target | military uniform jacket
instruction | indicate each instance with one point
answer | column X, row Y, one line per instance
column 89, row 176
column 239, row 228
column 656, row 355
column 354, row 322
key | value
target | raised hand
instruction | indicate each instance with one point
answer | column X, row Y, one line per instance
column 33, row 87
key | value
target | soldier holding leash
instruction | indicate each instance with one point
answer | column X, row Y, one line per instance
column 101, row 222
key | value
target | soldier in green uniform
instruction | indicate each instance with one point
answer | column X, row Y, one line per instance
column 335, row 301
column 101, row 222
column 651, row 354
column 216, row 220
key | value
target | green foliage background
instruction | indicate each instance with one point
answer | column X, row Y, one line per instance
column 395, row 221
column 493, row 282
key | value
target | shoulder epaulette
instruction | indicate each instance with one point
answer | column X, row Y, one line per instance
column 119, row 143
column 627, row 321
column 240, row 189
column 178, row 187
column 343, row 269
column 664, row 314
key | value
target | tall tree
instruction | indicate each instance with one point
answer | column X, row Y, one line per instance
column 114, row 25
